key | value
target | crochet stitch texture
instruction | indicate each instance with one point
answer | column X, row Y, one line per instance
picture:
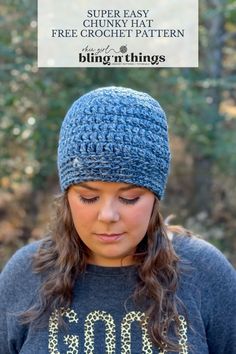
column 115, row 134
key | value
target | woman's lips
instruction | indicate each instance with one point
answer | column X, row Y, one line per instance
column 109, row 237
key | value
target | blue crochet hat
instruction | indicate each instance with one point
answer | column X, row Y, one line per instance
column 115, row 134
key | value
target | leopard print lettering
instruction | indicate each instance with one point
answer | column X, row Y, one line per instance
column 71, row 340
column 126, row 333
column 183, row 336
column 89, row 331
column 183, row 339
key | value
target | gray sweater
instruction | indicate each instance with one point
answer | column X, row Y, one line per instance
column 103, row 319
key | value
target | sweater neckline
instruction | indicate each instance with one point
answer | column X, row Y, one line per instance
column 118, row 271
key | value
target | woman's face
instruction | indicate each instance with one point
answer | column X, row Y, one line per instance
column 111, row 219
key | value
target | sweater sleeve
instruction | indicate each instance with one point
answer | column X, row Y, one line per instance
column 17, row 290
column 217, row 280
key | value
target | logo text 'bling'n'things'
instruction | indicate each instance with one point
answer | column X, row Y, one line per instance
column 110, row 56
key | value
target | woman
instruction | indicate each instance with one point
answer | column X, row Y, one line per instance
column 109, row 278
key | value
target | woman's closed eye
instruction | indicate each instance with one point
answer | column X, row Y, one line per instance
column 129, row 200
column 90, row 200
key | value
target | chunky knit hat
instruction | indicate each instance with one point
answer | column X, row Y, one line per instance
column 115, row 134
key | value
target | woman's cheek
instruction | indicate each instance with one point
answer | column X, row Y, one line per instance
column 141, row 216
column 137, row 218
column 85, row 216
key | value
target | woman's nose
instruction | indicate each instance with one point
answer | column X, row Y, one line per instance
column 108, row 212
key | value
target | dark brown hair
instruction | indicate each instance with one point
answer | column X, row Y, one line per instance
column 63, row 256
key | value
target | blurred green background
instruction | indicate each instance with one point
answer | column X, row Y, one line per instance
column 200, row 105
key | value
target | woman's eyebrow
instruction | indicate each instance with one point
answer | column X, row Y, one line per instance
column 128, row 187
column 86, row 186
column 131, row 186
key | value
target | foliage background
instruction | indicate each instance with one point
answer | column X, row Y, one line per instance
column 200, row 105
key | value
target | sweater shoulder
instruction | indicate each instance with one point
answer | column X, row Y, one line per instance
column 19, row 268
column 22, row 257
column 192, row 247
column 207, row 260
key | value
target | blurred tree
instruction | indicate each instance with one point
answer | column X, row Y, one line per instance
column 197, row 114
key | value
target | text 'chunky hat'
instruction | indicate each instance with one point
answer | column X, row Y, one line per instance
column 115, row 134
